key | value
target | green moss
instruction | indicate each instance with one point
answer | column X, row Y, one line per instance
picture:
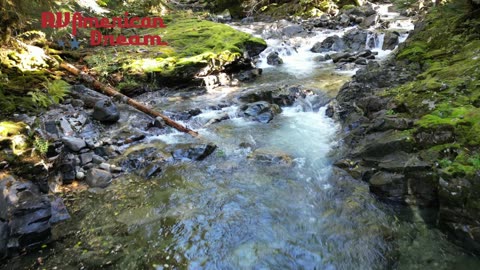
column 192, row 45
column 447, row 91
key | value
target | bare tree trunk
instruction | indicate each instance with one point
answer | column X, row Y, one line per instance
column 110, row 91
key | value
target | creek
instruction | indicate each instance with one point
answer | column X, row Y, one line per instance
column 234, row 210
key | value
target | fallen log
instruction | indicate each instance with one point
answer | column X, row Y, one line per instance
column 110, row 91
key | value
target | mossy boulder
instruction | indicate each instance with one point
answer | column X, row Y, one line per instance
column 194, row 46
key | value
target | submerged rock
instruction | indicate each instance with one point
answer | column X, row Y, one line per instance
column 271, row 156
column 192, row 151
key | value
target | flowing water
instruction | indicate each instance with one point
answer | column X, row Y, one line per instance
column 230, row 211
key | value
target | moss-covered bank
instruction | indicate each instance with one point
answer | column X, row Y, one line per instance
column 194, row 45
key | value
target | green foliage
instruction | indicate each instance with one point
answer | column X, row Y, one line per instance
column 41, row 145
column 56, row 92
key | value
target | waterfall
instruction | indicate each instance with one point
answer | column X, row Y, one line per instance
column 374, row 41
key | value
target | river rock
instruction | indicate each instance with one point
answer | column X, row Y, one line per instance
column 106, row 111
column 192, row 151
column 274, row 59
column 140, row 158
column 98, row 178
column 389, row 186
column 248, row 75
column 382, row 143
column 369, row 21
column 271, row 156
column 390, row 40
column 27, row 212
column 292, row 30
column 74, row 144
column 355, row 39
column 261, row 111
column 332, row 43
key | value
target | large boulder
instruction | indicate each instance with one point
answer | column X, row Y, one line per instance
column 355, row 39
column 24, row 215
column 106, row 111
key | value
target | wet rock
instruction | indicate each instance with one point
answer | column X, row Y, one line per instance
column 337, row 57
column 383, row 143
column 254, row 49
column 59, row 210
column 274, row 59
column 369, row 21
column 106, row 111
column 292, row 30
column 248, row 75
column 389, row 186
column 139, row 159
column 27, row 212
column 151, row 170
column 260, row 111
column 390, row 40
column 332, row 43
column 223, row 17
column 271, row 156
column 4, row 233
column 355, row 39
column 361, row 61
column 74, row 144
column 192, row 151
column 385, row 123
column 80, row 175
column 217, row 119
column 98, row 178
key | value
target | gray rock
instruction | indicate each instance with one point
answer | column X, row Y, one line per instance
column 106, row 111
column 59, row 210
column 4, row 233
column 355, row 39
column 86, row 158
column 261, row 111
column 390, row 40
column 27, row 212
column 192, row 151
column 73, row 143
column 292, row 30
column 369, row 21
column 98, row 178
column 389, row 186
column 332, row 43
column 274, row 59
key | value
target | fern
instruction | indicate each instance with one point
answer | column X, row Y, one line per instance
column 40, row 98
column 57, row 90
column 41, row 145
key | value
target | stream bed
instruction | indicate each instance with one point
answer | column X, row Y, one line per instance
column 267, row 198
